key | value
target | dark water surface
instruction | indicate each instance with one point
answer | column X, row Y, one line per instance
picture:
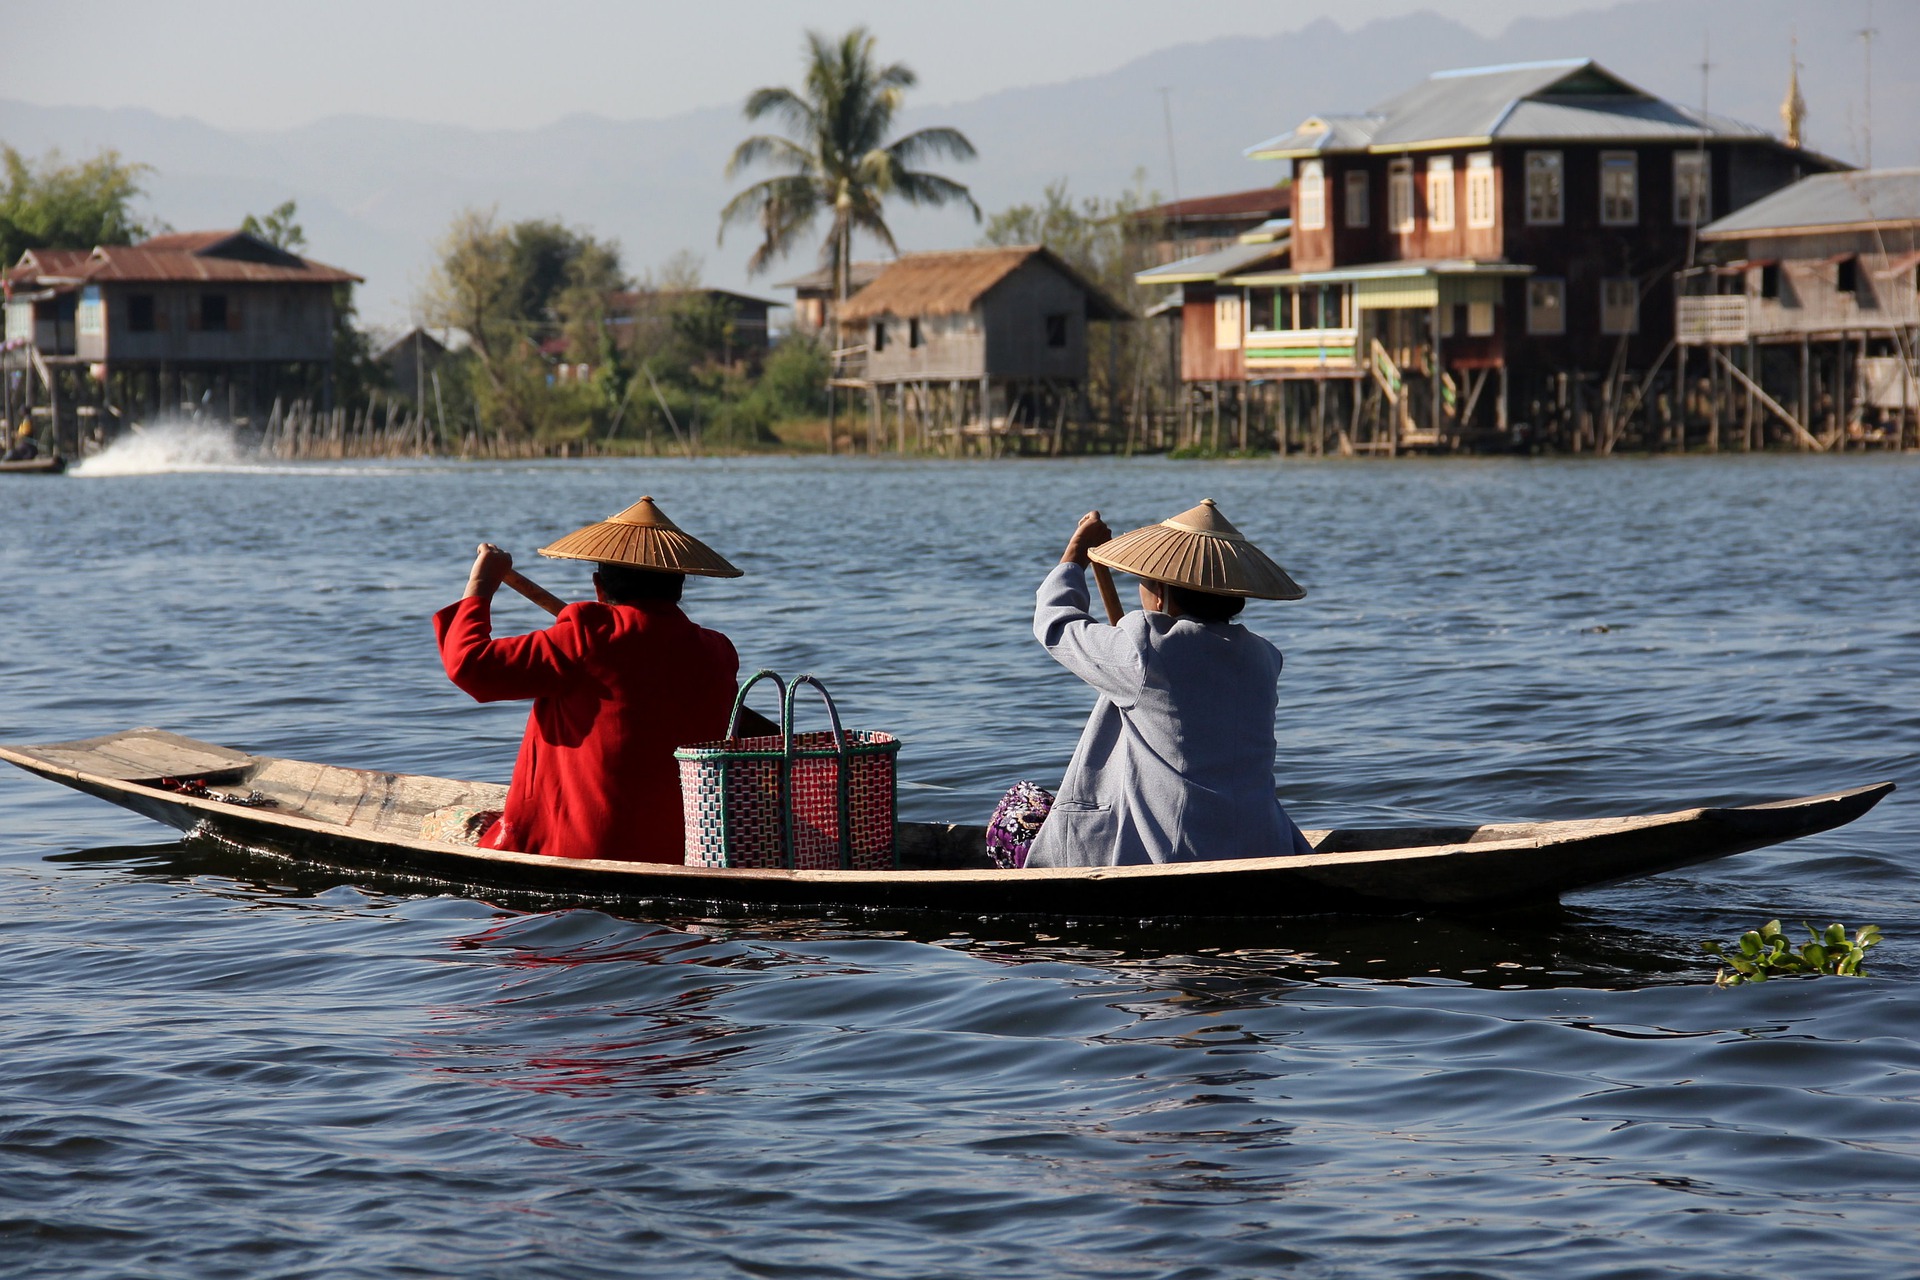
column 212, row 1066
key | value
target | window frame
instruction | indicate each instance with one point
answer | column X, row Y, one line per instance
column 1547, row 164
column 1357, row 193
column 1613, row 163
column 1401, row 217
column 1440, row 193
column 1313, row 196
column 1558, row 285
column 1611, row 309
column 1483, row 183
column 1697, row 188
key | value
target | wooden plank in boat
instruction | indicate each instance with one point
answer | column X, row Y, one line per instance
column 146, row 755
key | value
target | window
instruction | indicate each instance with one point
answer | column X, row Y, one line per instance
column 1546, row 306
column 213, row 312
column 1481, row 200
column 1769, row 281
column 91, row 319
column 914, row 338
column 1400, row 197
column 1619, row 306
column 1691, row 205
column 1480, row 319
column 1619, row 188
column 1226, row 322
column 1262, row 308
column 879, row 335
column 1446, row 311
column 1440, row 193
column 140, row 312
column 1357, row 194
column 1846, row 275
column 1313, row 196
column 1544, row 189
column 1057, row 329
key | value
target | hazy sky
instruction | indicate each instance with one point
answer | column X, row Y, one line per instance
column 268, row 64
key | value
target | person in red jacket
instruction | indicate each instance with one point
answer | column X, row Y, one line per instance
column 616, row 685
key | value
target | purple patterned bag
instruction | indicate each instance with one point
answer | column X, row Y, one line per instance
column 1016, row 822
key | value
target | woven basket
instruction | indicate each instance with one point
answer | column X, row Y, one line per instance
column 807, row 801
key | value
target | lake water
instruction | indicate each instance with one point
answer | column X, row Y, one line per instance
column 223, row 1067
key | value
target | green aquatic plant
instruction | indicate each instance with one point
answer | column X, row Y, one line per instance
column 1765, row 953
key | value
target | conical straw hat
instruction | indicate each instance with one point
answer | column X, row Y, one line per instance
column 1199, row 549
column 643, row 537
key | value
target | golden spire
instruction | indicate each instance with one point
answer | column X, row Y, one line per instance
column 1794, row 109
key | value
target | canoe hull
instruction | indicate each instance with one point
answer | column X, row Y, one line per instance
column 362, row 820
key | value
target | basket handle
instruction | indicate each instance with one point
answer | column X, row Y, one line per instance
column 740, row 699
column 843, row 798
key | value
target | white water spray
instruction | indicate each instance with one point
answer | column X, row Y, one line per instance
column 168, row 447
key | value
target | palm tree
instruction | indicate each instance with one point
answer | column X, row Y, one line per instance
column 836, row 157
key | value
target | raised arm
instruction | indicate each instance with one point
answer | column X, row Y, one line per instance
column 1111, row 659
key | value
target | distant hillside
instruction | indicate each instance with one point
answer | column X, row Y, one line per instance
column 375, row 195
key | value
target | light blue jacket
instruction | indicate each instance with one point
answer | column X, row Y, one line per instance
column 1176, row 762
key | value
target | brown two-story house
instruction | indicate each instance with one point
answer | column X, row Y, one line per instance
column 1497, row 245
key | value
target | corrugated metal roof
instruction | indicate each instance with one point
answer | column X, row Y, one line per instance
column 137, row 264
column 1211, row 266
column 1321, row 134
column 48, row 264
column 1407, row 268
column 1569, row 100
column 950, row 282
column 185, row 257
column 1272, row 201
column 1827, row 200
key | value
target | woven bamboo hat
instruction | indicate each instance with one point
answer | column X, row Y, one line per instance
column 642, row 537
column 1201, row 550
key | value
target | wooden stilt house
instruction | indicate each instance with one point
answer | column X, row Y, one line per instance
column 1799, row 324
column 978, row 348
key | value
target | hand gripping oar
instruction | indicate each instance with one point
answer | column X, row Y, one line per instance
column 752, row 723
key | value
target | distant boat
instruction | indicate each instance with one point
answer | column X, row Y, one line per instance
column 365, row 820
column 52, row 466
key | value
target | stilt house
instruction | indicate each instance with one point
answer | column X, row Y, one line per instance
column 1802, row 318
column 1493, row 248
column 206, row 314
column 974, row 342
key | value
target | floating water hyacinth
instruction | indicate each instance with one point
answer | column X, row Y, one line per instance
column 1765, row 953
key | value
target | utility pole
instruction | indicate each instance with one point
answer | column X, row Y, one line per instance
column 1166, row 111
column 1866, row 34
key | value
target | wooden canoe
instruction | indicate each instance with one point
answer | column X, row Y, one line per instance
column 367, row 821
column 35, row 467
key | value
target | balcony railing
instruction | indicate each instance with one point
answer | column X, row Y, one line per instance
column 1288, row 349
column 1716, row 319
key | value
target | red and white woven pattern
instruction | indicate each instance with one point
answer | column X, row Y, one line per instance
column 731, row 793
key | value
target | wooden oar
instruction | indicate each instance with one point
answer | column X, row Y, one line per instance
column 1103, row 579
column 752, row 723
column 533, row 591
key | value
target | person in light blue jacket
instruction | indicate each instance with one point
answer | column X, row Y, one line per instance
column 1176, row 761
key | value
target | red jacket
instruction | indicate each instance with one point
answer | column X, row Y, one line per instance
column 615, row 689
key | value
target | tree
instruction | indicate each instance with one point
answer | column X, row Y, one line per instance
column 835, row 157
column 49, row 204
column 1107, row 242
column 510, row 287
column 278, row 228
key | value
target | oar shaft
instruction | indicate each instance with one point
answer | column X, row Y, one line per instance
column 1103, row 579
column 534, row 591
